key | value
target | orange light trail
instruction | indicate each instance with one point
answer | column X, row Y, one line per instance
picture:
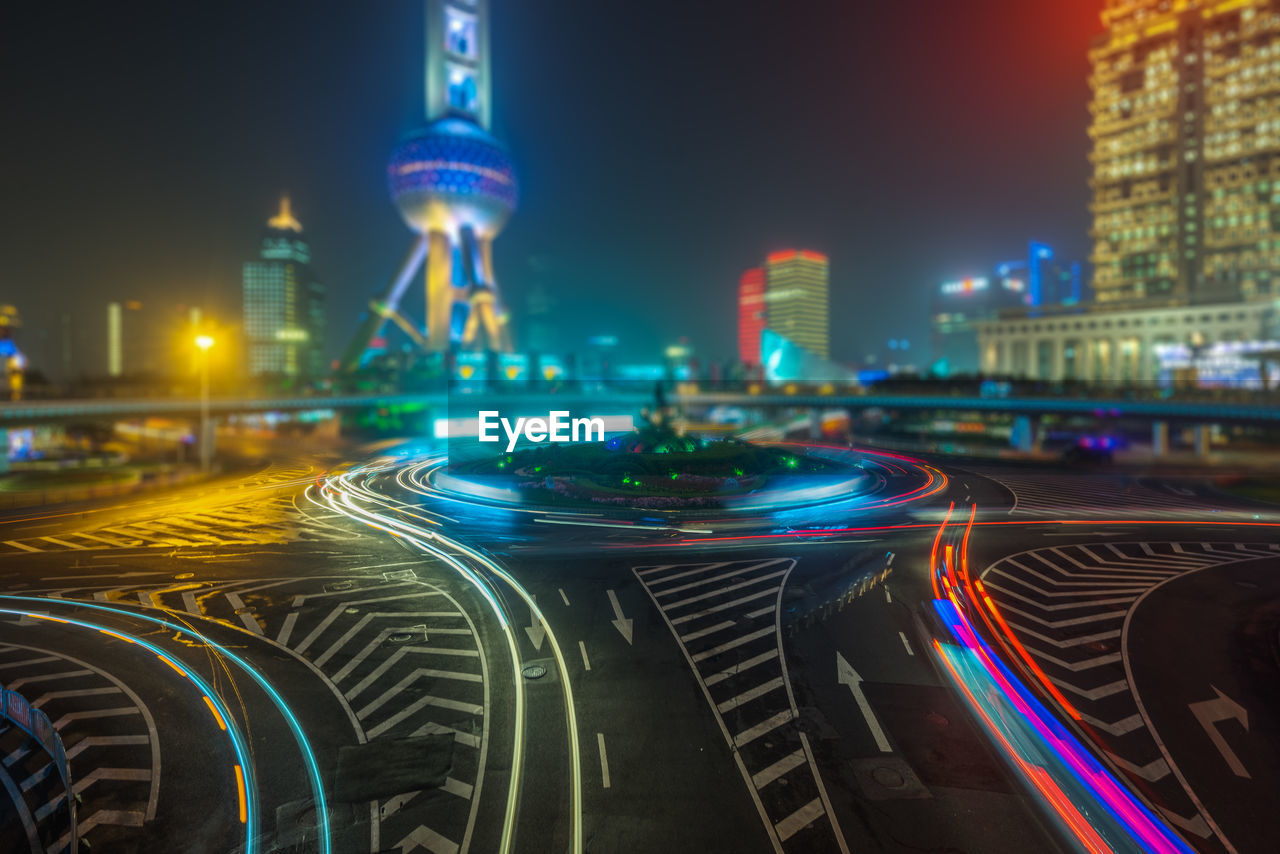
column 1005, row 633
column 244, row 804
column 933, row 554
column 167, row 661
column 1025, row 656
column 1037, row 775
column 217, row 717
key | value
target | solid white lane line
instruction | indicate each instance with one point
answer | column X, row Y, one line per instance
column 798, row 819
column 777, row 769
column 586, row 662
column 751, row 734
column 736, row 642
column 906, row 644
column 715, row 678
column 749, row 695
column 604, row 760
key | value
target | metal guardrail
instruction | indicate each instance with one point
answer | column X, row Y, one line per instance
column 17, row 710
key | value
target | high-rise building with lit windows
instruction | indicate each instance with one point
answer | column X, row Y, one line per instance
column 750, row 315
column 796, row 298
column 1186, row 152
column 284, row 314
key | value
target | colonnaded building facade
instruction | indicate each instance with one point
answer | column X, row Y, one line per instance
column 1186, row 203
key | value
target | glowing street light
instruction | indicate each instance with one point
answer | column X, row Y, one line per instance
column 203, row 343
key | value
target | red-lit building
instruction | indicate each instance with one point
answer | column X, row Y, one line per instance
column 750, row 315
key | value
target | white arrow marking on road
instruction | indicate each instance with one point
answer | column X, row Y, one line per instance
column 1222, row 708
column 535, row 630
column 846, row 675
column 621, row 623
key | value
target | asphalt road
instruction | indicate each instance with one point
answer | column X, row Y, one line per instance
column 764, row 688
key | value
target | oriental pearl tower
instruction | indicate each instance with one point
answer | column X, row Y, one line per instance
column 455, row 186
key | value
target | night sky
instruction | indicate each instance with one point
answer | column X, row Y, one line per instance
column 663, row 147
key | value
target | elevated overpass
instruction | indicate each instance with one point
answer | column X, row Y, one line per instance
column 30, row 413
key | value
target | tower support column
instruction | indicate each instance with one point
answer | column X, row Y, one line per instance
column 1160, row 438
column 439, row 291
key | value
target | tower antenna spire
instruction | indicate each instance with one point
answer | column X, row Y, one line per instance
column 284, row 219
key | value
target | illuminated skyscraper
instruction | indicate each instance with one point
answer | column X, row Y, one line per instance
column 455, row 187
column 750, row 315
column 284, row 319
column 796, row 298
column 1186, row 152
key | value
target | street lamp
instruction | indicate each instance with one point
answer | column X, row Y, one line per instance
column 204, row 342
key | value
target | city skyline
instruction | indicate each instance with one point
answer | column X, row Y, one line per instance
column 895, row 210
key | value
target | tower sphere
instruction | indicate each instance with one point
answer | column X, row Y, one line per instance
column 450, row 174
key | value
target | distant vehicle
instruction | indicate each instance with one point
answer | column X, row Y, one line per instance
column 1091, row 448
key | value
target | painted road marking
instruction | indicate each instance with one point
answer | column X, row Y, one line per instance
column 906, row 644
column 798, row 819
column 564, row 597
column 735, row 669
column 250, row 622
column 604, row 760
column 732, row 643
column 586, row 662
column 846, row 675
column 23, row 546
column 749, row 735
column 777, row 769
column 750, row 694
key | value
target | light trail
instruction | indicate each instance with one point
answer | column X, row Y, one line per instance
column 304, row 747
column 245, row 786
column 340, row 493
column 1099, row 811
